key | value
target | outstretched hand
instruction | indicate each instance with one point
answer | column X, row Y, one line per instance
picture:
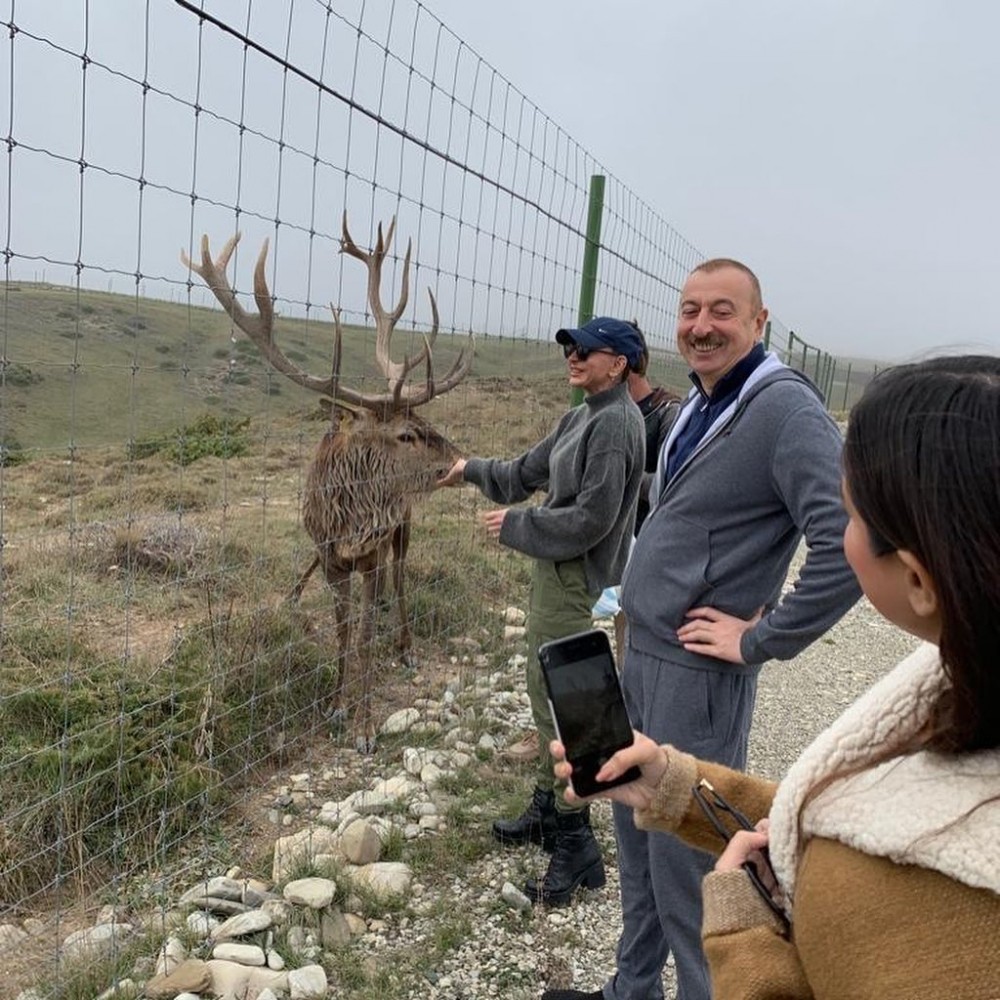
column 454, row 476
column 492, row 521
column 644, row 753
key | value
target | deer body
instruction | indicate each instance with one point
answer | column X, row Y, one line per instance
column 375, row 458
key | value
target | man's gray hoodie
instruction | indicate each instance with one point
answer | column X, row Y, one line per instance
column 722, row 532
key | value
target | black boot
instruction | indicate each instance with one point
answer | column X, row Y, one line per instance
column 537, row 824
column 576, row 861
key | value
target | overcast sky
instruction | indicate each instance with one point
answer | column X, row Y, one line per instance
column 847, row 150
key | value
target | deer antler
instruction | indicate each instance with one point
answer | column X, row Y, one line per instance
column 260, row 328
column 385, row 323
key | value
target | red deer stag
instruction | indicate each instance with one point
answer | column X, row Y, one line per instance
column 374, row 458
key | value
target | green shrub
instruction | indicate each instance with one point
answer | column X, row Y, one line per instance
column 11, row 451
column 210, row 434
column 15, row 374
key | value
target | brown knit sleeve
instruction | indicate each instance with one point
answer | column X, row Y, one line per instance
column 674, row 809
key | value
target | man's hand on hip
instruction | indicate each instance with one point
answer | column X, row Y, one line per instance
column 714, row 633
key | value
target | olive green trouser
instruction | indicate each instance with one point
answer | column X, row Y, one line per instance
column 559, row 606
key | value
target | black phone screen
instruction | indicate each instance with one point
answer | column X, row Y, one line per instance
column 587, row 705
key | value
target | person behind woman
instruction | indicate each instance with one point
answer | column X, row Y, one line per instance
column 884, row 834
column 590, row 466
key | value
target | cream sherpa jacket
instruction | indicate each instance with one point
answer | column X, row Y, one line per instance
column 926, row 809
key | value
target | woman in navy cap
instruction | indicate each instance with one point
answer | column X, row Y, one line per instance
column 591, row 467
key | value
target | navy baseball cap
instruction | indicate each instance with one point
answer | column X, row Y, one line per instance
column 605, row 332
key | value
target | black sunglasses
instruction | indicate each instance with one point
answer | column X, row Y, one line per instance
column 712, row 805
column 582, row 353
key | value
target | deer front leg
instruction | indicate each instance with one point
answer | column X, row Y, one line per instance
column 404, row 641
column 363, row 724
column 340, row 587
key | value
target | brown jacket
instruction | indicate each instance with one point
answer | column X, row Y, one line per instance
column 863, row 927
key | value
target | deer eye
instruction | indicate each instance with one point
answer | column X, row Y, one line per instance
column 407, row 437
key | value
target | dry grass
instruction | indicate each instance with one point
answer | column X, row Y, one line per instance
column 152, row 666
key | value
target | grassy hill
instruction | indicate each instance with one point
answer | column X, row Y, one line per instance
column 93, row 368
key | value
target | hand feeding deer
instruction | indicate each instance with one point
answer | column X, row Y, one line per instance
column 374, row 458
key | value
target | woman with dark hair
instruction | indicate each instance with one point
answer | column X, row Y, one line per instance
column 885, row 835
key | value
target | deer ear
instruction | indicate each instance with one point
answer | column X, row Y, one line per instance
column 338, row 411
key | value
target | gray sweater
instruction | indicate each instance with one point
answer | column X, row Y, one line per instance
column 591, row 467
column 723, row 530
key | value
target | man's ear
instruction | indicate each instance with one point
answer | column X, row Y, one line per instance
column 759, row 320
column 920, row 589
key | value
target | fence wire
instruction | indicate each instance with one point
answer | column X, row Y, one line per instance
column 152, row 465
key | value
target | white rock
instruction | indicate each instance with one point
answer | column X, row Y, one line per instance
column 400, row 721
column 170, row 956
column 201, row 923
column 360, row 844
column 384, row 878
column 514, row 898
column 431, row 775
column 413, row 761
column 399, row 786
column 307, row 983
column 316, row 893
column 244, row 954
column 301, row 848
column 93, row 941
column 372, row 803
column 280, row 911
column 241, row 925
column 228, row 978
column 334, row 929
column 219, row 887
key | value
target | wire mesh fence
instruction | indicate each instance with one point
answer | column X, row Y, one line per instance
column 153, row 464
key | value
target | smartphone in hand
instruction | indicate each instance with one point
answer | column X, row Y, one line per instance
column 587, row 706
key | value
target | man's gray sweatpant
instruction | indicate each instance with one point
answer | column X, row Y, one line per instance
column 706, row 713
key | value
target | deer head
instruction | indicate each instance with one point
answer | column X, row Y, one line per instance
column 399, row 396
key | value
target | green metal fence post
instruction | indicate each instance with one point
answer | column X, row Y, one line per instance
column 791, row 347
column 591, row 248
column 767, row 336
column 847, row 384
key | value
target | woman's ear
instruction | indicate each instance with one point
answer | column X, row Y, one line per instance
column 920, row 589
